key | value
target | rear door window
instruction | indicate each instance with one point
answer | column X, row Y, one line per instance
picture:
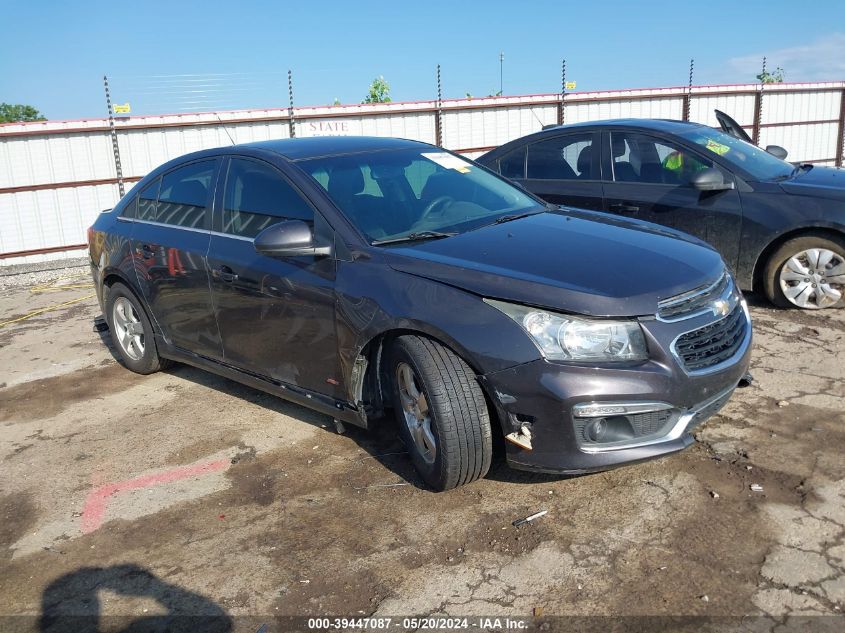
column 512, row 164
column 258, row 196
column 568, row 157
column 147, row 199
column 184, row 197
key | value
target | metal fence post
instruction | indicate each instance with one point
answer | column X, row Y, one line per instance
column 291, row 122
column 438, row 113
column 561, row 113
column 840, row 141
column 688, row 95
column 758, row 107
column 113, row 130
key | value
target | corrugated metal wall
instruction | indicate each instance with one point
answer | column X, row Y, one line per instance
column 56, row 176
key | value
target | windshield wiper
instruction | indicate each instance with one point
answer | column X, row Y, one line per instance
column 416, row 236
column 514, row 216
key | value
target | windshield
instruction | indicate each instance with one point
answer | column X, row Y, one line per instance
column 758, row 163
column 398, row 193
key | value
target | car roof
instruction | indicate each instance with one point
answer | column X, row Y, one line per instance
column 662, row 125
column 669, row 126
column 312, row 147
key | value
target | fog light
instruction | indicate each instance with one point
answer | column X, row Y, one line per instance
column 616, row 428
column 596, row 429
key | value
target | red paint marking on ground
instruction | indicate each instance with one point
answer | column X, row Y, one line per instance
column 95, row 504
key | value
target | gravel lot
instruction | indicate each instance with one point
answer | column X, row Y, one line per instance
column 128, row 496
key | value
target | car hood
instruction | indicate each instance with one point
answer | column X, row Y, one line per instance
column 820, row 182
column 572, row 261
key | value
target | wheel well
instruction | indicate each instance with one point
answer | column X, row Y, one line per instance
column 762, row 260
column 376, row 380
column 113, row 278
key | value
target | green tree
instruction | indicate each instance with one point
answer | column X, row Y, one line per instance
column 14, row 113
column 379, row 91
column 774, row 77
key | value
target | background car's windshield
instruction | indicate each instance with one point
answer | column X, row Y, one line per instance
column 758, row 163
column 391, row 194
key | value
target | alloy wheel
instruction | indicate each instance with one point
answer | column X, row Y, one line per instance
column 416, row 412
column 813, row 279
column 128, row 327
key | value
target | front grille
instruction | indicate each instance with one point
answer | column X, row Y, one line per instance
column 695, row 301
column 712, row 344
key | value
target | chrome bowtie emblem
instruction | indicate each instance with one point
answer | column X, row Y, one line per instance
column 721, row 307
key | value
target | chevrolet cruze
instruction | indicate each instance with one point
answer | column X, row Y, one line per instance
column 372, row 277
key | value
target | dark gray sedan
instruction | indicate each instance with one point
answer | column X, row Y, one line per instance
column 369, row 277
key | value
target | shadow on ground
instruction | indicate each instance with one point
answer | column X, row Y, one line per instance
column 72, row 603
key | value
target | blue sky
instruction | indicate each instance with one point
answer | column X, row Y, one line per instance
column 170, row 56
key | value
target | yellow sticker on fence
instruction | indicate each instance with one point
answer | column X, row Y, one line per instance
column 717, row 148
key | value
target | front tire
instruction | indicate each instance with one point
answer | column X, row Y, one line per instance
column 807, row 272
column 441, row 412
column 132, row 332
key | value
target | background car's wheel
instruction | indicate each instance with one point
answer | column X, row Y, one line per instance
column 441, row 412
column 131, row 331
column 807, row 272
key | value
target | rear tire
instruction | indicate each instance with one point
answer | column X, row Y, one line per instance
column 441, row 412
column 807, row 272
column 131, row 331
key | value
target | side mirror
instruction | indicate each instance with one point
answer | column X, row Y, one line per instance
column 710, row 179
column 777, row 151
column 291, row 238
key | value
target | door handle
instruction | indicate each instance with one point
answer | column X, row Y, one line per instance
column 624, row 207
column 224, row 273
column 146, row 251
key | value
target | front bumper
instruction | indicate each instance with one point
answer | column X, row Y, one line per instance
column 543, row 395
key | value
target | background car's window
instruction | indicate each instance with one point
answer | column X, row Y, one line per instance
column 512, row 164
column 258, row 196
column 646, row 159
column 147, row 201
column 758, row 163
column 393, row 193
column 567, row 157
column 183, row 199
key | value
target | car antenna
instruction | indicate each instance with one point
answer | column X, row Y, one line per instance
column 224, row 128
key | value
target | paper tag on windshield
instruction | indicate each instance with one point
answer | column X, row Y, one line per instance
column 717, row 148
column 448, row 161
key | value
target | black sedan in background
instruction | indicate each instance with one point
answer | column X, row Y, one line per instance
column 779, row 226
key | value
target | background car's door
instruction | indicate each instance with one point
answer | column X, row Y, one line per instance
column 170, row 241
column 562, row 169
column 276, row 314
column 649, row 179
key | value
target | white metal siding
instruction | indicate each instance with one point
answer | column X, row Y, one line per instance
column 78, row 151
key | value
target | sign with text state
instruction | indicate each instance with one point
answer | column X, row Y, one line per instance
column 122, row 109
column 328, row 127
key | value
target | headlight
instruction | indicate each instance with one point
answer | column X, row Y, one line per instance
column 564, row 337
